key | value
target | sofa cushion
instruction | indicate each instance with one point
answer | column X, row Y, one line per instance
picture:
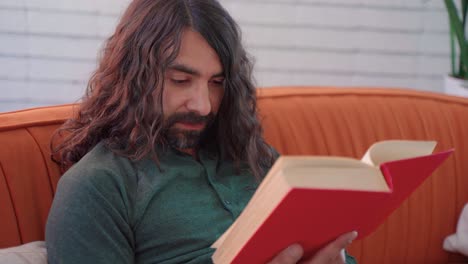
column 30, row 253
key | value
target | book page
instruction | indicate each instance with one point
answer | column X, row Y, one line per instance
column 391, row 150
column 342, row 174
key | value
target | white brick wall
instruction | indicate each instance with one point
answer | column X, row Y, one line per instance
column 48, row 48
column 348, row 42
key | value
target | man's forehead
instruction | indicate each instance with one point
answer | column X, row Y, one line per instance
column 196, row 54
column 189, row 69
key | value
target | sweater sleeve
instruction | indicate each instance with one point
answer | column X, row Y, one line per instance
column 350, row 259
column 89, row 221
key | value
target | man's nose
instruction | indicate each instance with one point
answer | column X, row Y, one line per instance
column 200, row 100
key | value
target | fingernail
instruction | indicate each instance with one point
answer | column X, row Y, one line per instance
column 294, row 251
column 354, row 235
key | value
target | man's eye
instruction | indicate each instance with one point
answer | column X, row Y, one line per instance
column 179, row 81
column 218, row 82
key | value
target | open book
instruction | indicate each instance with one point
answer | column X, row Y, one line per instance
column 311, row 200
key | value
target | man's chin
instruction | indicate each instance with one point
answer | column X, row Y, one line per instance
column 184, row 140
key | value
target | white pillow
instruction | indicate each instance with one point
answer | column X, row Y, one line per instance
column 458, row 242
column 30, row 253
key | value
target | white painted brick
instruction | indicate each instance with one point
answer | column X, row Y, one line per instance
column 261, row 13
column 431, row 85
column 13, row 20
column 387, row 41
column 57, row 92
column 13, row 3
column 13, row 68
column 111, row 6
column 20, row 105
column 14, row 44
column 345, row 40
column 325, row 15
column 434, row 20
column 61, row 70
column 329, row 16
column 64, row 47
column 299, row 37
column 433, row 4
column 41, row 91
column 90, row 6
column 62, row 23
column 390, row 19
column 437, row 65
column 82, row 5
column 267, row 79
column 435, row 43
column 413, row 83
column 401, row 64
column 381, row 81
column 401, row 3
column 107, row 25
column 357, row 3
column 27, row 45
column 385, row 64
column 302, row 60
column 11, row 90
column 313, row 79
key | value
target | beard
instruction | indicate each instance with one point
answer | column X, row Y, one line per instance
column 179, row 138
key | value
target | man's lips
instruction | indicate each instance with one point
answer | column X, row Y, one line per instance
column 191, row 126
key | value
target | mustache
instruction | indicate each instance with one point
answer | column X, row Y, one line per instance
column 190, row 118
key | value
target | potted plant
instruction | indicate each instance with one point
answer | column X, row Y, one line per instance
column 457, row 82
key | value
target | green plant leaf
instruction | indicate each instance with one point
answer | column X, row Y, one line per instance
column 462, row 67
column 452, row 50
column 457, row 26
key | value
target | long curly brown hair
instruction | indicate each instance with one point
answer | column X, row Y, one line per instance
column 123, row 103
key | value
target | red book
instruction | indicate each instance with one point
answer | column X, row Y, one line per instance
column 311, row 200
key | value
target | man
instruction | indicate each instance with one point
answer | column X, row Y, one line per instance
column 166, row 148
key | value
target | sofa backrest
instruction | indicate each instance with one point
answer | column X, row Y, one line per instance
column 28, row 176
column 304, row 120
column 346, row 122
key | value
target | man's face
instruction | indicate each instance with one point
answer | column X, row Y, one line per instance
column 194, row 88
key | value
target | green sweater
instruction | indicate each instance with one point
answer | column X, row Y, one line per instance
column 108, row 209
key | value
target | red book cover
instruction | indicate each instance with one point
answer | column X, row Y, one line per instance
column 315, row 217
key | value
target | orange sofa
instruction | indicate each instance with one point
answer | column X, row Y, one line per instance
column 297, row 120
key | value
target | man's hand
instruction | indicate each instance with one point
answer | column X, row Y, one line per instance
column 333, row 253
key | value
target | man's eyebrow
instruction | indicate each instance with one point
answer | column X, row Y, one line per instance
column 190, row 70
column 221, row 74
column 184, row 68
